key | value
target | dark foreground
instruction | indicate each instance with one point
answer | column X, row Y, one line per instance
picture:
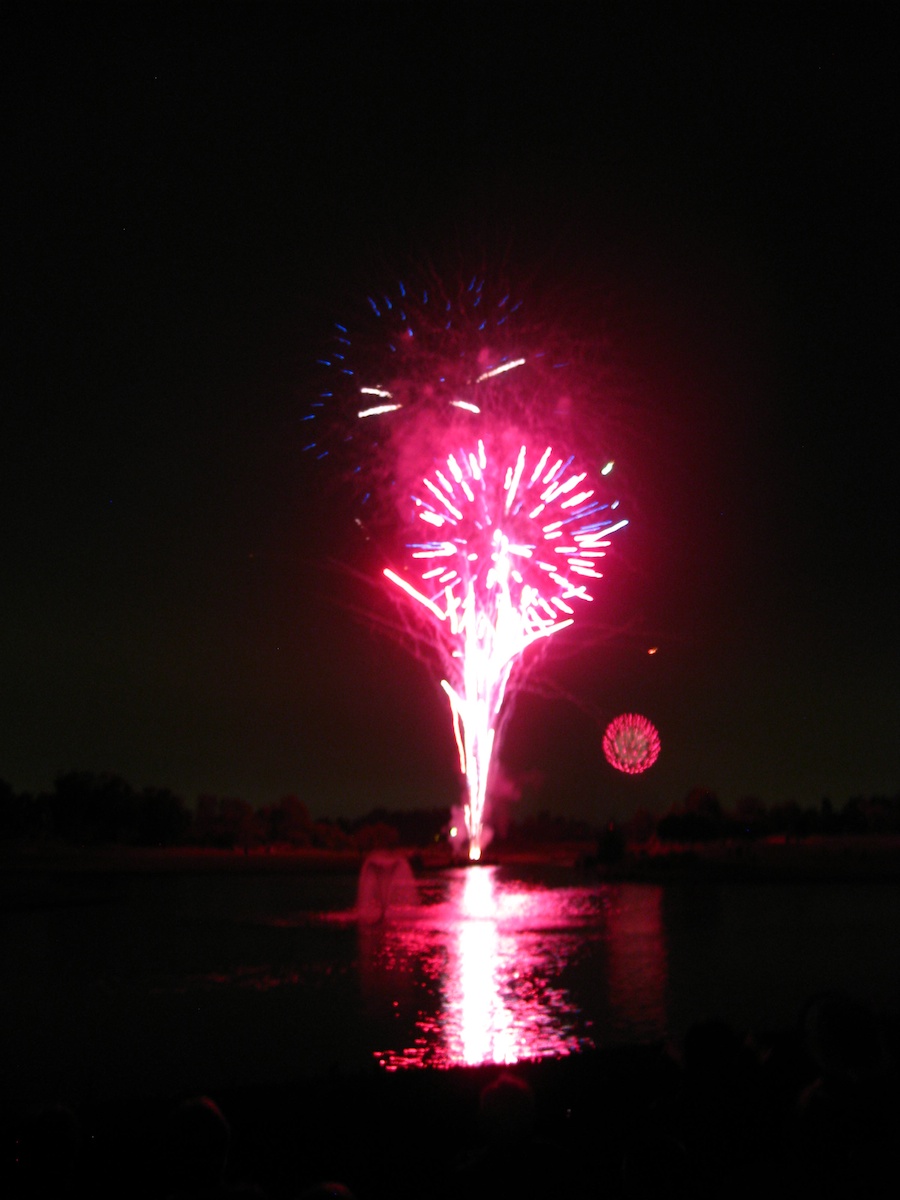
column 811, row 1112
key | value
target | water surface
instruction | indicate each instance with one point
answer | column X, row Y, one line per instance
column 168, row 982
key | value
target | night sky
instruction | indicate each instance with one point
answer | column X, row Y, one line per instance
column 196, row 193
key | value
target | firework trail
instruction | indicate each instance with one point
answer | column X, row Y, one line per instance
column 502, row 530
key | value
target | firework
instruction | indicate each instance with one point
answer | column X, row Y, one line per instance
column 508, row 544
column 419, row 352
column 502, row 531
column 631, row 743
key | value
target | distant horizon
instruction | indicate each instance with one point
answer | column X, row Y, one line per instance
column 527, row 807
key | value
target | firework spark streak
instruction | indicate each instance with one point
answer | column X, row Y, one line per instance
column 510, row 540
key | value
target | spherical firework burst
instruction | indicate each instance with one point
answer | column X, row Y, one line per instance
column 467, row 426
column 631, row 743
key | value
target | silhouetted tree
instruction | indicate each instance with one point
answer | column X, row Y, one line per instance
column 879, row 814
column 328, row 835
column 90, row 809
column 418, row 827
column 698, row 819
column 12, row 823
column 750, row 817
column 206, row 828
column 239, row 824
column 640, row 827
column 289, row 821
column 375, row 835
column 611, row 844
column 786, row 818
column 162, row 818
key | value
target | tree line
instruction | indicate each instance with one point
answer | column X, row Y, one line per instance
column 700, row 817
column 89, row 809
column 85, row 808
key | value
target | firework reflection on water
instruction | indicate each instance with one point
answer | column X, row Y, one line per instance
column 496, row 970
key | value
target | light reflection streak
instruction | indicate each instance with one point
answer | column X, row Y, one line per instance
column 492, row 956
column 483, row 969
column 479, row 1026
column 500, row 970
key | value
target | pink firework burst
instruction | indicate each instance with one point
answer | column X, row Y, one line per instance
column 508, row 539
column 446, row 408
column 631, row 743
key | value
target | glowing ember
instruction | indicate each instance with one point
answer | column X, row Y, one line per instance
column 510, row 541
column 631, row 743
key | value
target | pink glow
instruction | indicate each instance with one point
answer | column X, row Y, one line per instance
column 505, row 547
column 494, row 1009
column 631, row 743
column 504, row 967
column 439, row 399
column 485, row 1023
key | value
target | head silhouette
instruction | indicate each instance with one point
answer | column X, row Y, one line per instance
column 198, row 1138
column 506, row 1110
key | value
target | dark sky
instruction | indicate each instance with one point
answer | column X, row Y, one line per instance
column 196, row 193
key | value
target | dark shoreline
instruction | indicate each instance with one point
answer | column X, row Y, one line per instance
column 848, row 859
column 862, row 857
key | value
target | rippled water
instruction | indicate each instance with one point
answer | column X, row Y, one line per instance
column 203, row 980
column 494, row 968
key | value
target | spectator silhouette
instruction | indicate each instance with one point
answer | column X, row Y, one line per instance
column 513, row 1159
column 198, row 1142
column 841, row 1127
column 718, row 1115
column 506, row 1113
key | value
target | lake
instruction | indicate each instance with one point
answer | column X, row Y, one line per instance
column 157, row 983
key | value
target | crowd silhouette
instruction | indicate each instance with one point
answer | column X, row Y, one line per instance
column 811, row 1111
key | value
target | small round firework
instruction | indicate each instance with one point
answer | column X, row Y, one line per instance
column 631, row 743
